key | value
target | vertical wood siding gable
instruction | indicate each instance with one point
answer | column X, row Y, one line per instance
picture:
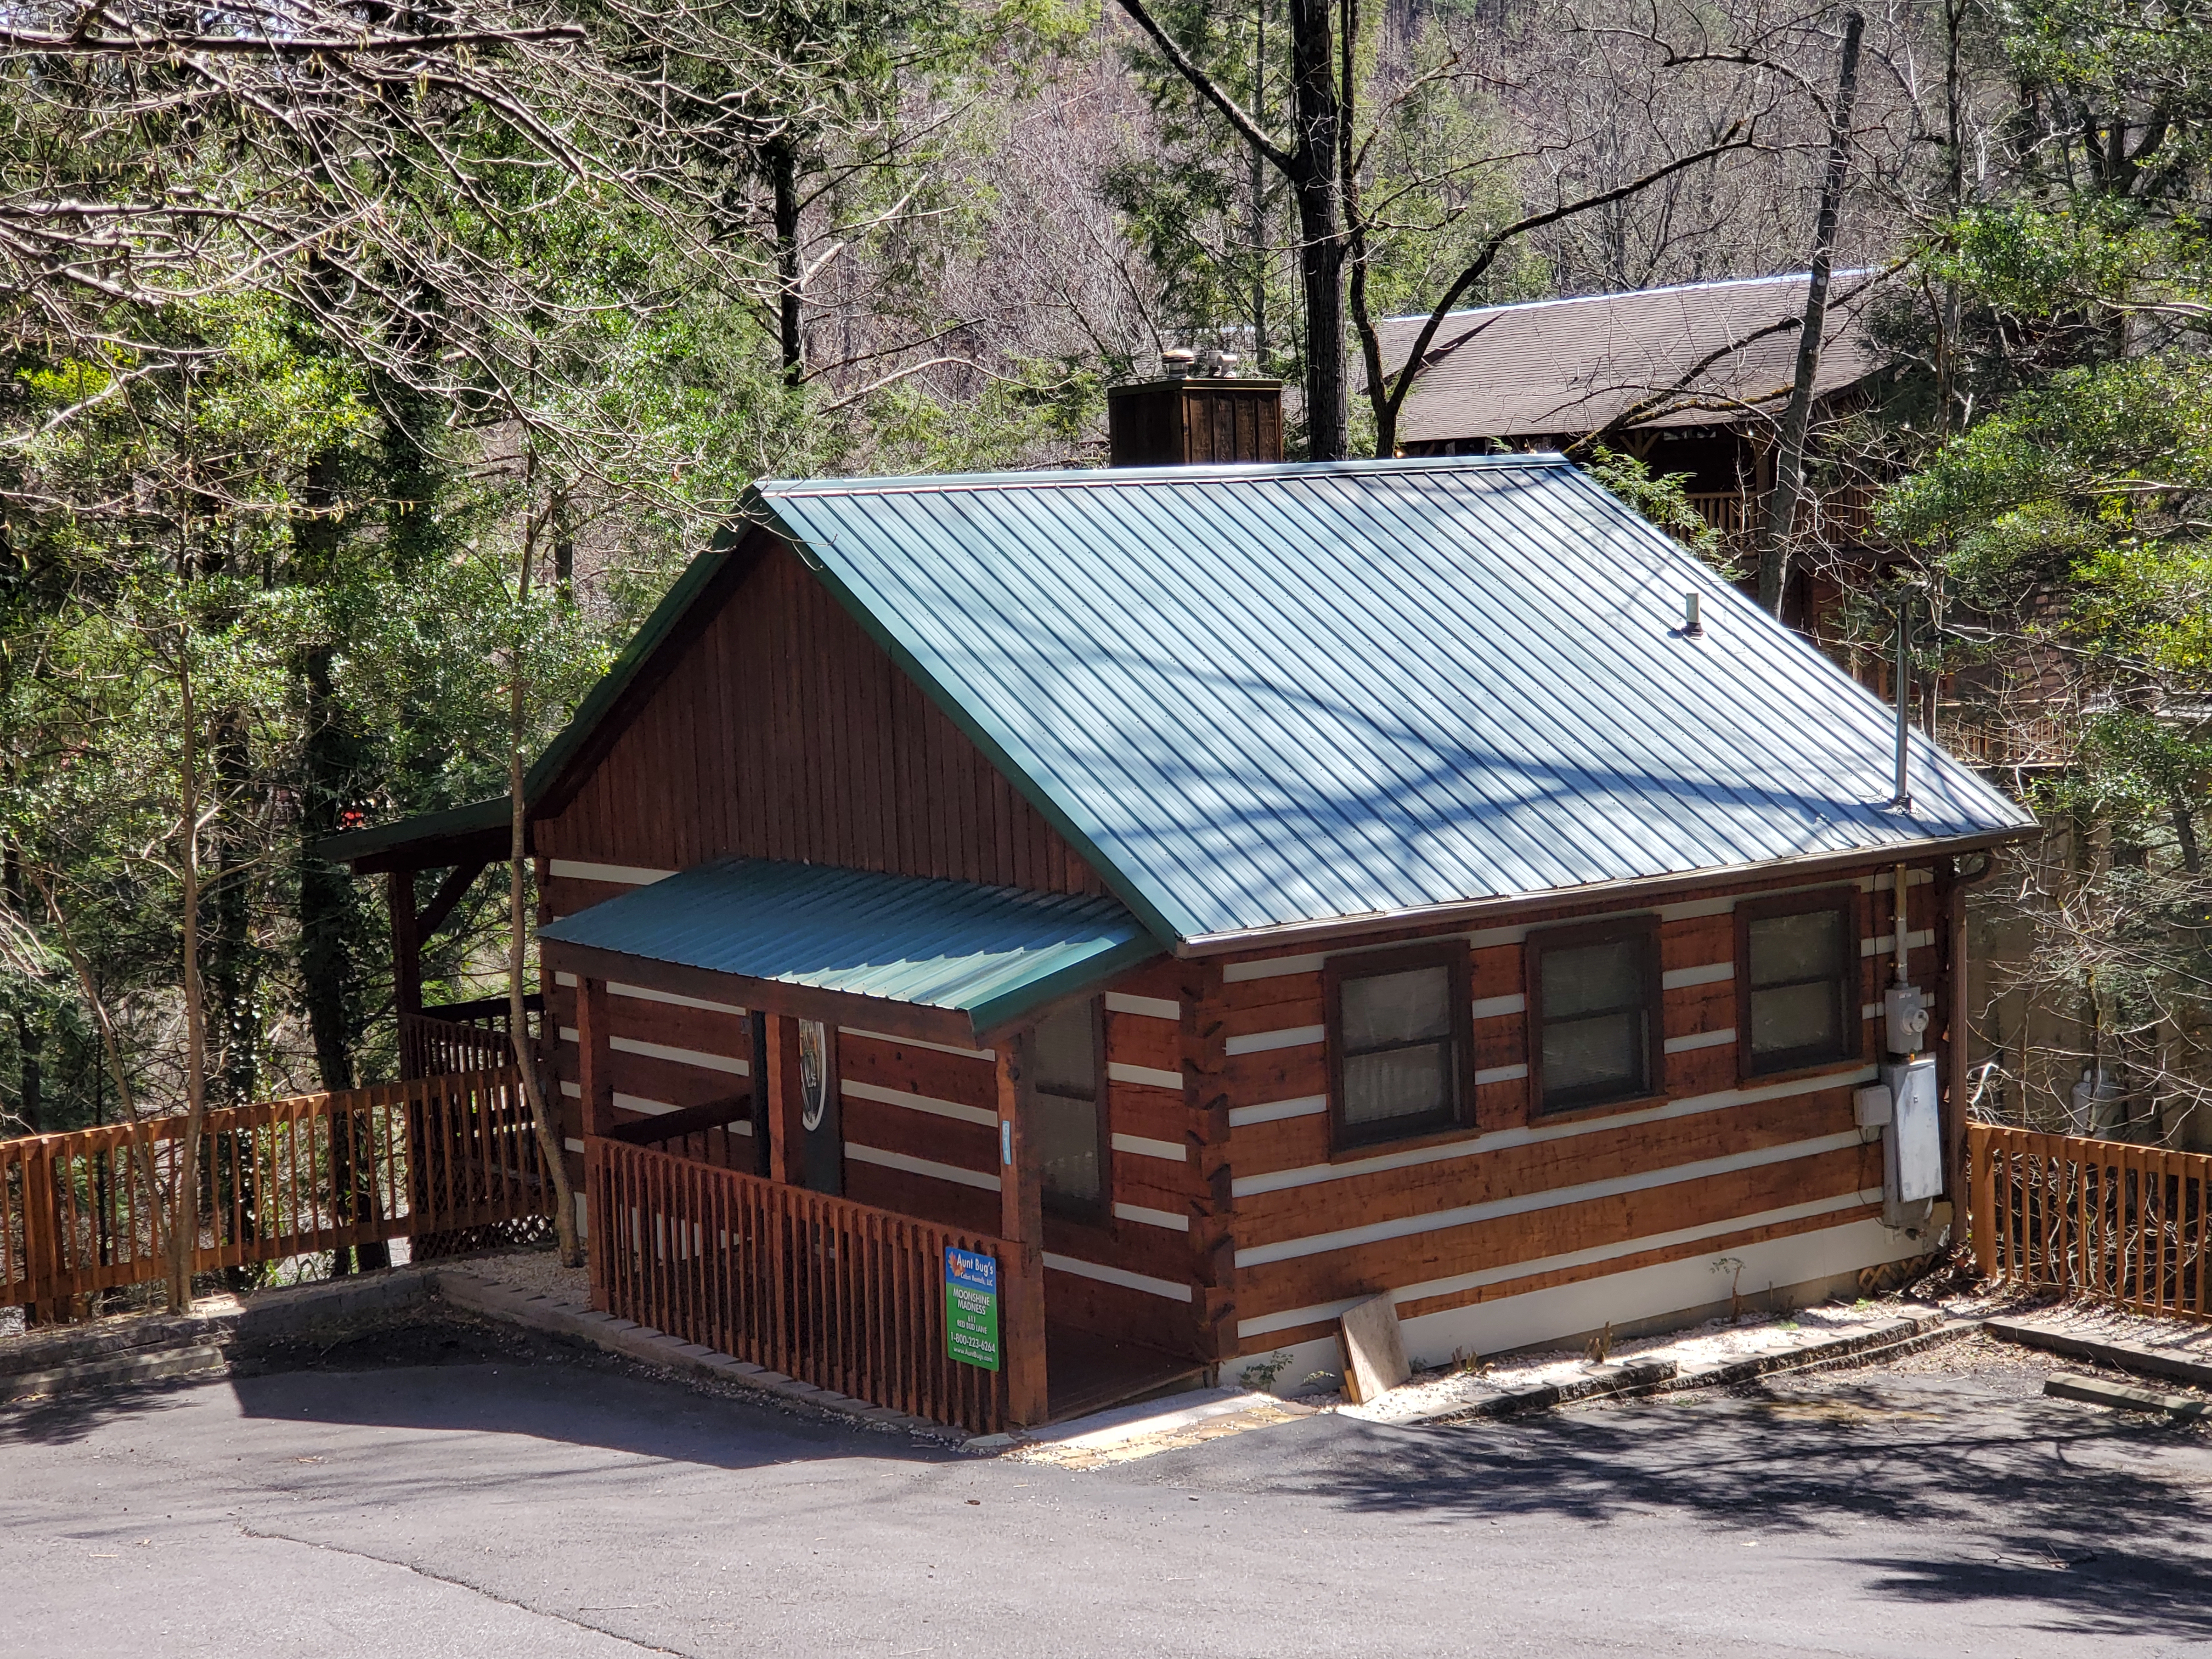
column 782, row 731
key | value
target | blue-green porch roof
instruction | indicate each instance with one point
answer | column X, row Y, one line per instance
column 993, row 954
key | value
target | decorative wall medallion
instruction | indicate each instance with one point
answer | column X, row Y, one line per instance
column 813, row 1073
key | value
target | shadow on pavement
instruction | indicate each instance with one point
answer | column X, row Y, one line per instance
column 440, row 1377
column 2096, row 1513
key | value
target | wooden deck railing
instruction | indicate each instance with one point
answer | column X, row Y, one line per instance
column 1844, row 515
column 460, row 1036
column 84, row 1211
column 834, row 1293
column 2100, row 1218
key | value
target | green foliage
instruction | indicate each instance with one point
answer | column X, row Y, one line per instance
column 1665, row 501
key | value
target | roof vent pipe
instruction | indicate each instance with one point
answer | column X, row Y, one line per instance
column 1692, row 627
column 1903, row 799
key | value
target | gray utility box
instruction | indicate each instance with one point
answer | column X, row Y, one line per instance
column 1912, row 1142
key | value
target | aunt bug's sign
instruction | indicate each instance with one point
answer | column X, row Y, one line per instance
column 971, row 1307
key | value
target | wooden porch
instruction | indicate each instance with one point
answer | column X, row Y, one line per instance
column 426, row 1158
column 840, row 1295
column 701, row 1226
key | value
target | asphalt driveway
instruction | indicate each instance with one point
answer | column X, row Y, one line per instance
column 456, row 1491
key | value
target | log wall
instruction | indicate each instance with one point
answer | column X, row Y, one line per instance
column 1527, row 1203
column 1236, row 1232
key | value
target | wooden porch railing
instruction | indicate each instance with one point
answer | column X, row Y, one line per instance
column 2102, row 1219
column 719, row 1132
column 834, row 1293
column 460, row 1036
column 84, row 1211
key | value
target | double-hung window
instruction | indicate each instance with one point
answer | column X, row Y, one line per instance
column 1399, row 1042
column 1593, row 1023
column 1797, row 962
column 1068, row 1072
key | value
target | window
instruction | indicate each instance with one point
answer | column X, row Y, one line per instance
column 1399, row 1039
column 1067, row 1074
column 1593, row 1013
column 1797, row 996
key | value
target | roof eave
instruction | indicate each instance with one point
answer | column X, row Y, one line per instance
column 1025, row 1002
column 481, row 830
column 1293, row 935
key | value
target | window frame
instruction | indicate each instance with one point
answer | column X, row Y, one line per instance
column 1455, row 958
column 1852, row 1022
column 1098, row 1212
column 1640, row 930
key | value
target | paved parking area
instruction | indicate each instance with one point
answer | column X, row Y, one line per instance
column 455, row 1490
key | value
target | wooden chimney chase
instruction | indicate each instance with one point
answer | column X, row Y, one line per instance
column 1195, row 419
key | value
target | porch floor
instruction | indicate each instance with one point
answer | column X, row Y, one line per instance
column 1086, row 1373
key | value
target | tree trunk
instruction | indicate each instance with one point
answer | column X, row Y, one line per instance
column 781, row 156
column 550, row 1152
column 30, row 1080
column 29, row 1043
column 184, row 1201
column 2184, row 832
column 1796, row 417
column 329, row 765
column 231, row 974
column 1316, row 116
column 1310, row 165
column 1259, row 193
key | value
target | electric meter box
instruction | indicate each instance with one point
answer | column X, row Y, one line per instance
column 1912, row 1144
column 1904, row 1018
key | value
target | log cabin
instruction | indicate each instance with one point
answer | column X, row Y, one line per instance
column 1209, row 897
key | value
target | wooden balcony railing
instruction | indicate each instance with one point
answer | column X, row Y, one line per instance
column 835, row 1293
column 87, row 1210
column 460, row 1036
column 2124, row 1224
column 2036, row 741
column 719, row 1132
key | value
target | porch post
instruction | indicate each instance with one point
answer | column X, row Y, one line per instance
column 786, row 1134
column 594, row 1057
column 1021, row 1224
column 595, row 1084
column 406, row 942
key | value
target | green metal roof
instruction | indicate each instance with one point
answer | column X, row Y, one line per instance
column 992, row 953
column 1269, row 697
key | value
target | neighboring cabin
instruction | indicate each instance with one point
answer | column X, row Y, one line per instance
column 1222, row 894
column 1690, row 380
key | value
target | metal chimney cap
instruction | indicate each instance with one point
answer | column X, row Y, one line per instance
column 1176, row 361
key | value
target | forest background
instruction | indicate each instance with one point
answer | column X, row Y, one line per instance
column 368, row 370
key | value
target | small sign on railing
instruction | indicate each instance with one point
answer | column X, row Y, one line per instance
column 971, row 1307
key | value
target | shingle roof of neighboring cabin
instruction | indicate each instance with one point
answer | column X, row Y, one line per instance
column 1257, row 697
column 1574, row 366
